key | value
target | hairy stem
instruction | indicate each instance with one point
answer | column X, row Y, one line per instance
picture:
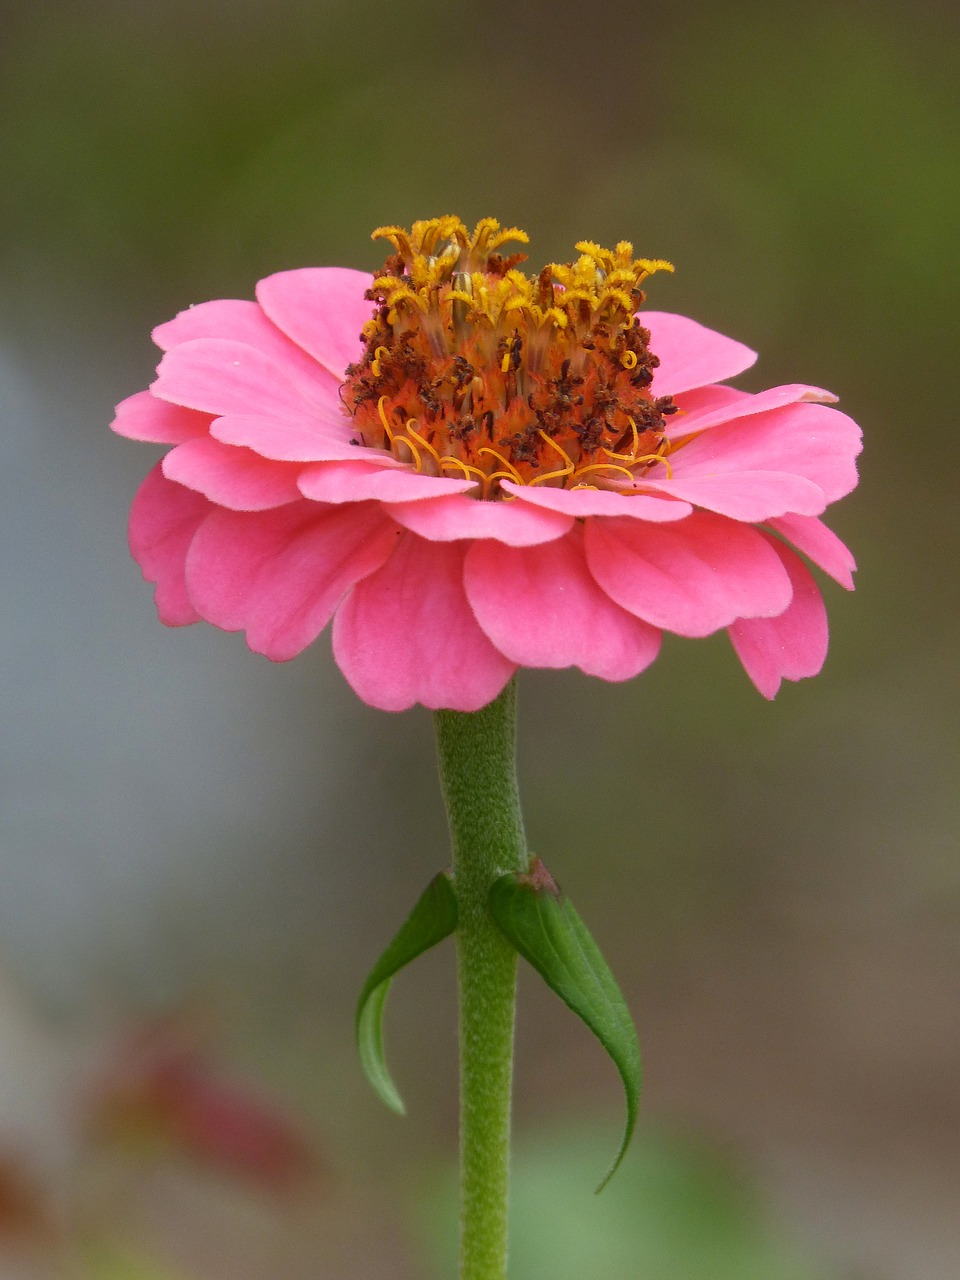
column 477, row 754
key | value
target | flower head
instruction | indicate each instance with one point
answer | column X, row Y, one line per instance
column 471, row 469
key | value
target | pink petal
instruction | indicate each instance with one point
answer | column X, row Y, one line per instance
column 745, row 495
column 741, row 405
column 279, row 575
column 322, row 309
column 287, row 440
column 356, row 481
column 790, row 646
column 690, row 354
column 808, row 440
column 691, row 577
column 820, row 544
column 597, row 502
column 220, row 376
column 453, row 518
column 243, row 321
column 144, row 417
column 164, row 518
column 542, row 608
column 407, row 634
column 703, row 400
column 235, row 478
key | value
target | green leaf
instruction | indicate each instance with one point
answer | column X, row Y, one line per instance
column 432, row 919
column 542, row 924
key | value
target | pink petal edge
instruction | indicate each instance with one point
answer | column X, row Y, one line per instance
column 741, row 404
column 357, row 481
column 220, row 376
column 810, row 440
column 541, row 607
column 690, row 578
column 230, row 477
column 144, row 417
column 690, row 354
column 322, row 309
column 819, row 544
column 749, row 496
column 791, row 646
column 284, row 440
column 457, row 518
column 164, row 518
column 279, row 575
column 580, row 503
column 239, row 320
column 407, row 635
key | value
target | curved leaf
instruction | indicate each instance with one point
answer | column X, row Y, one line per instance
column 544, row 927
column 432, row 919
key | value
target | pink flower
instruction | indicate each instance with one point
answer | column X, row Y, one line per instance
column 160, row 1085
column 471, row 470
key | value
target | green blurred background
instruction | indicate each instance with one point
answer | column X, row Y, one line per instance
column 193, row 839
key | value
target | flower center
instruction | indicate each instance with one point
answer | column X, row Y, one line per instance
column 473, row 369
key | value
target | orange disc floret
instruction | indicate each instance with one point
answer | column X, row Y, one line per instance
column 472, row 369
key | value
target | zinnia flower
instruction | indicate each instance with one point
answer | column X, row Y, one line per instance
column 470, row 470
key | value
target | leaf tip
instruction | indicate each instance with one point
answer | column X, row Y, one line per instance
column 434, row 917
column 613, row 1168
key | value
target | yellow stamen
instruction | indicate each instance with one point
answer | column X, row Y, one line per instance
column 592, row 250
column 618, row 296
column 627, row 457
column 383, row 419
column 479, row 351
column 603, row 466
column 509, row 233
column 650, row 265
column 502, row 475
column 413, row 449
column 396, row 235
column 465, row 468
column 409, row 429
column 651, row 458
column 552, row 475
column 511, row 473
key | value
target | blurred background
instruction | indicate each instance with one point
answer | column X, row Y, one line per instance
column 202, row 854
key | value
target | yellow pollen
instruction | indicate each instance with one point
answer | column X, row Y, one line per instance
column 492, row 371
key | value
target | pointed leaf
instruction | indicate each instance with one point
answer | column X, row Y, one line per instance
column 432, row 919
column 545, row 929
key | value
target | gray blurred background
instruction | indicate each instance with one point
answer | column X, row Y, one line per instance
column 200, row 844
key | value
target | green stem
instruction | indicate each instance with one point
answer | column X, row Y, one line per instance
column 477, row 753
